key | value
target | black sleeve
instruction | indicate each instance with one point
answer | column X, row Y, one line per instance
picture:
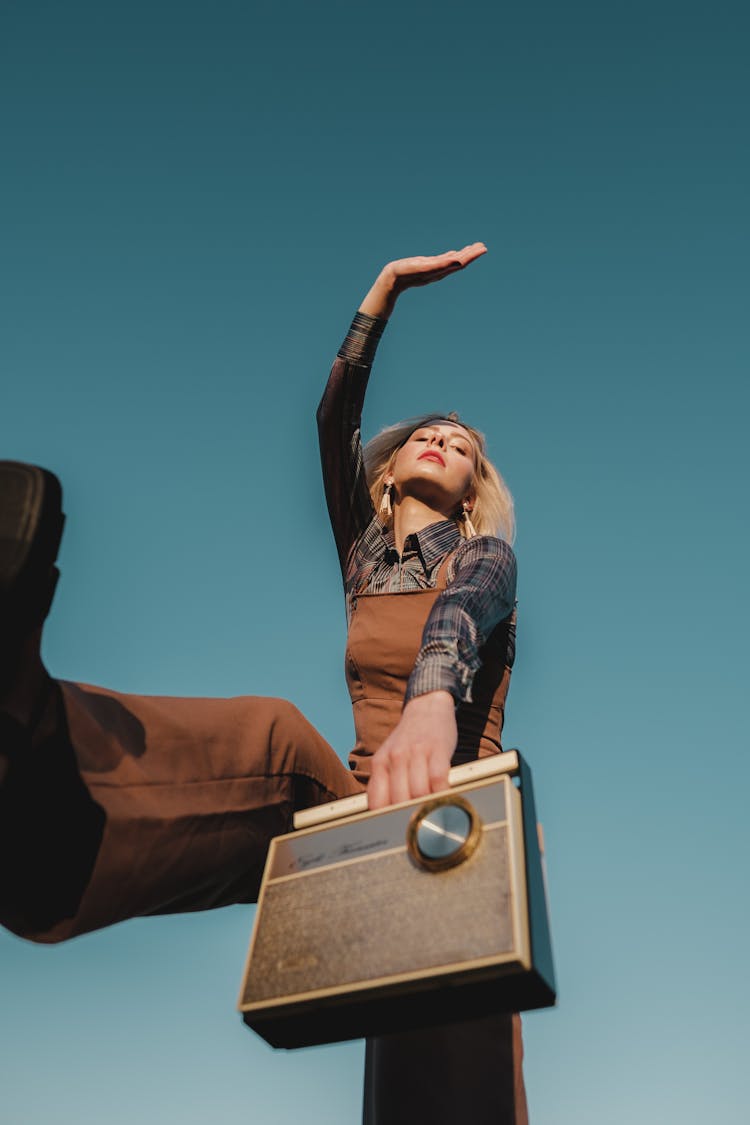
column 339, row 414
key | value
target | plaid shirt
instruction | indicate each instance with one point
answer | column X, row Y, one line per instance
column 481, row 577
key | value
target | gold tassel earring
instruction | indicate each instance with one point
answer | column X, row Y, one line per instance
column 468, row 525
column 386, row 508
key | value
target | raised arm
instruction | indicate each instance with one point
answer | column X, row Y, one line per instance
column 348, row 498
column 340, row 411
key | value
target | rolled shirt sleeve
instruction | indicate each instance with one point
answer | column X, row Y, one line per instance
column 481, row 592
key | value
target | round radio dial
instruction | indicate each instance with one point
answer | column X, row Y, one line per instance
column 443, row 833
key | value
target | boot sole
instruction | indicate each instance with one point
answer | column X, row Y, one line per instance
column 31, row 525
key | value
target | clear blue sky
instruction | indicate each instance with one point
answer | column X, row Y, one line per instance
column 194, row 197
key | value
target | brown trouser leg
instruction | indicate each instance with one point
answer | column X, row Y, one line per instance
column 464, row 1072
column 130, row 805
column 155, row 805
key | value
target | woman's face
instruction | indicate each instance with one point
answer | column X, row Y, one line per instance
column 436, row 465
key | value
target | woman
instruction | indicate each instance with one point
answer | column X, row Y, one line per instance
column 431, row 481
column 431, row 642
column 114, row 806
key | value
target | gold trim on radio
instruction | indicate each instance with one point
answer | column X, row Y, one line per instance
column 467, row 846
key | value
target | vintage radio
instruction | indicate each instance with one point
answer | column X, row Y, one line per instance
column 426, row 912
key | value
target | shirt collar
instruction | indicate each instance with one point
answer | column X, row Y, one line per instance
column 432, row 543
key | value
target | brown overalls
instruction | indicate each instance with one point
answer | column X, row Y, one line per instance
column 469, row 1072
column 133, row 805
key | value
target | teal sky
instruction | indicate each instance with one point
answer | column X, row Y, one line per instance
column 193, row 199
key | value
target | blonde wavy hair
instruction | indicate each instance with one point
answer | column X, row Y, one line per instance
column 492, row 512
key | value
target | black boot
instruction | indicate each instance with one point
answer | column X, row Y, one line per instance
column 50, row 826
column 31, row 523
